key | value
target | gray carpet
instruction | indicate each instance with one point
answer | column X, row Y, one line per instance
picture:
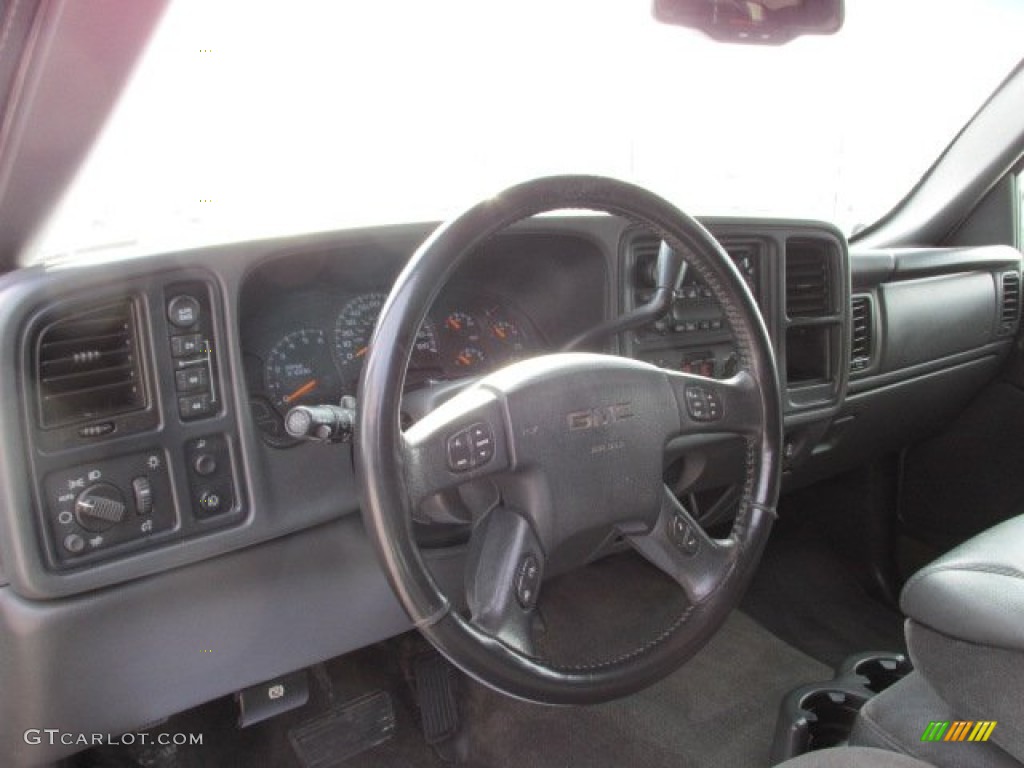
column 718, row 710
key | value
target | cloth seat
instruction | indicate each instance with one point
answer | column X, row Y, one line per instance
column 853, row 757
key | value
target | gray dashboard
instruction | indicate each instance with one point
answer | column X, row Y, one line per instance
column 273, row 573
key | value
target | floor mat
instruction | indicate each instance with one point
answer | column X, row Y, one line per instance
column 718, row 710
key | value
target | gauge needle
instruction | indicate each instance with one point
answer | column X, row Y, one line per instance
column 454, row 324
column 361, row 351
column 500, row 333
column 464, row 359
column 305, row 389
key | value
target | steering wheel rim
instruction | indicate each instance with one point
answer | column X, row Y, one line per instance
column 395, row 471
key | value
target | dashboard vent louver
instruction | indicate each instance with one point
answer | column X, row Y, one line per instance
column 808, row 279
column 87, row 365
column 1010, row 303
column 860, row 349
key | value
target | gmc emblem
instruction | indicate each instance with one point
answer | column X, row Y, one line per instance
column 599, row 417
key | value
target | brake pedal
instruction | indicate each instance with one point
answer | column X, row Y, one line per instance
column 344, row 731
column 435, row 695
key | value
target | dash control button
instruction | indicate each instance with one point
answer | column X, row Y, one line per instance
column 183, row 311
column 194, row 406
column 205, row 464
column 183, row 346
column 211, row 502
column 142, row 490
column 192, row 379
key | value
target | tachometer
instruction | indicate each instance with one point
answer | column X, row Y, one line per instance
column 354, row 327
column 352, row 331
column 299, row 370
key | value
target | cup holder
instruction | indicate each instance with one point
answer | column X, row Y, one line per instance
column 830, row 716
column 821, row 715
column 815, row 717
column 880, row 671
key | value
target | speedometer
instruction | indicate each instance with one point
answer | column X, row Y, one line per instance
column 354, row 327
column 300, row 370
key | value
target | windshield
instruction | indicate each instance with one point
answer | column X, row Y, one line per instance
column 251, row 119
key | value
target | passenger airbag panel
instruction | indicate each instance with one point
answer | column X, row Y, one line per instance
column 936, row 317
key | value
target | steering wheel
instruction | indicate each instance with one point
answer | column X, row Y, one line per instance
column 573, row 446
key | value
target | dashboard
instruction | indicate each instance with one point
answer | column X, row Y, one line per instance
column 145, row 470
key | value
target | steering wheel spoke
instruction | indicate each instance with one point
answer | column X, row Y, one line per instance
column 462, row 440
column 503, row 575
column 680, row 548
column 715, row 406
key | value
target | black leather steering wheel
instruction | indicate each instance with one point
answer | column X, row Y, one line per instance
column 573, row 444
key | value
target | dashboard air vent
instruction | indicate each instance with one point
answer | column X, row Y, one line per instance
column 863, row 332
column 1009, row 307
column 87, row 365
column 808, row 279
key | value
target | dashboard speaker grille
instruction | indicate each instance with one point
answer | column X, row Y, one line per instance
column 87, row 365
column 808, row 279
column 1010, row 303
column 863, row 332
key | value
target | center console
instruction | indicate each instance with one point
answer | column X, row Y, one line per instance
column 799, row 276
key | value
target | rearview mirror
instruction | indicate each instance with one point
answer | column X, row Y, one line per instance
column 764, row 22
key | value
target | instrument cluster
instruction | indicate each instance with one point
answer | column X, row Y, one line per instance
column 313, row 351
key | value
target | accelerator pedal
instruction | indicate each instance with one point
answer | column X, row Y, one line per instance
column 435, row 696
